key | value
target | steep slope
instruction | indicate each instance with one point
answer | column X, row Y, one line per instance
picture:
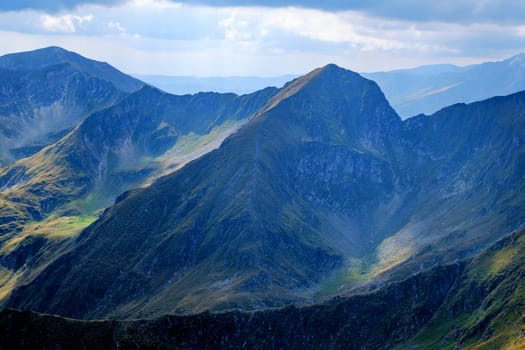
column 474, row 304
column 245, row 224
column 46, row 93
column 45, row 200
column 118, row 148
column 465, row 184
column 371, row 321
column 486, row 307
column 429, row 88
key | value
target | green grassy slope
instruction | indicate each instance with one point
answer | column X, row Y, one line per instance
column 486, row 307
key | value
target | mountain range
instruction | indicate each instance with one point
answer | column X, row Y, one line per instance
column 292, row 196
column 50, row 196
column 410, row 91
column 183, row 85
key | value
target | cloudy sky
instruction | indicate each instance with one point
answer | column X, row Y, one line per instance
column 267, row 38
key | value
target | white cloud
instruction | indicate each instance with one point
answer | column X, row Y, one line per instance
column 65, row 23
column 116, row 26
column 235, row 28
column 521, row 30
column 164, row 37
column 348, row 28
column 159, row 4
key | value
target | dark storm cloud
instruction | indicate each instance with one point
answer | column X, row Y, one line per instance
column 453, row 11
column 460, row 11
column 50, row 5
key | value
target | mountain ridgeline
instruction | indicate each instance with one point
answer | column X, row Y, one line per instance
column 45, row 93
column 322, row 192
column 116, row 149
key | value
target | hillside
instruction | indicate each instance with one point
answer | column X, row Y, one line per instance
column 46, row 199
column 325, row 191
column 474, row 304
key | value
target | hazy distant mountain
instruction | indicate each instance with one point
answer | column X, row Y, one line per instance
column 45, row 93
column 325, row 190
column 429, row 88
column 424, row 89
column 181, row 85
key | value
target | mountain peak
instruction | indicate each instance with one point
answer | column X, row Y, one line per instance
column 323, row 80
column 332, row 67
column 332, row 71
column 336, row 104
column 39, row 58
column 54, row 49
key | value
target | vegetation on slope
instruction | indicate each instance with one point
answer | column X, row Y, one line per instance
column 130, row 144
column 486, row 307
column 372, row 321
column 314, row 183
column 474, row 304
